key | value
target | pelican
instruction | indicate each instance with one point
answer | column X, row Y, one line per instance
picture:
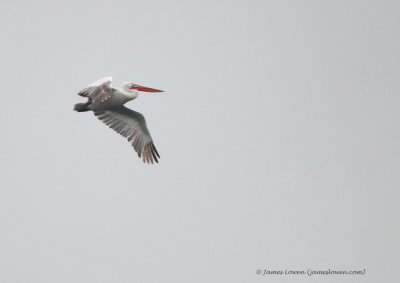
column 107, row 104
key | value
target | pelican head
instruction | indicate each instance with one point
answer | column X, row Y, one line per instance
column 128, row 86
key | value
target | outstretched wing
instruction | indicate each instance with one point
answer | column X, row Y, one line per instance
column 98, row 91
column 131, row 125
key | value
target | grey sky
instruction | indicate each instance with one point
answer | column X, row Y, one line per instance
column 278, row 134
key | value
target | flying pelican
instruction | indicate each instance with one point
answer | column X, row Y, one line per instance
column 107, row 103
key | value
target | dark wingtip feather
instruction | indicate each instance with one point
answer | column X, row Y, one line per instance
column 155, row 150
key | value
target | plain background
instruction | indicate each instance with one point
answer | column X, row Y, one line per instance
column 278, row 132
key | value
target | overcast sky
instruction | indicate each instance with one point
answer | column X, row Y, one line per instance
column 278, row 132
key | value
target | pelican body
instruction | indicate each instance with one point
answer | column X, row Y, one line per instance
column 107, row 103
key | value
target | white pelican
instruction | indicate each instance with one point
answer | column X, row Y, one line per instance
column 107, row 103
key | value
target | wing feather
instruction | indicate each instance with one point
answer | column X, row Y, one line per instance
column 98, row 91
column 131, row 125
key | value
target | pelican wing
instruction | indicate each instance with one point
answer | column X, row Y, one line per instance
column 98, row 91
column 131, row 125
